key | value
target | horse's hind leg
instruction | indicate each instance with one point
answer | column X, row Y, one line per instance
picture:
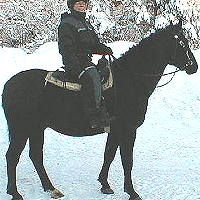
column 36, row 142
column 109, row 154
column 12, row 156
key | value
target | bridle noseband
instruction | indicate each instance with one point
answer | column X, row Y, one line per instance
column 182, row 44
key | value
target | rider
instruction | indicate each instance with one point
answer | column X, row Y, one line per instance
column 77, row 41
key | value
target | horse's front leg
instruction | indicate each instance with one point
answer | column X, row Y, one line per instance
column 109, row 154
column 126, row 152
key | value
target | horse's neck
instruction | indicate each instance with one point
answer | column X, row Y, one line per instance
column 135, row 66
column 144, row 61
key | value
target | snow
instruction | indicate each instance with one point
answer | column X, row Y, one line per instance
column 166, row 152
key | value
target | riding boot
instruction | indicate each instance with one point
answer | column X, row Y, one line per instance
column 91, row 96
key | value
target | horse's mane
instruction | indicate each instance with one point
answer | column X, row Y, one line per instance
column 143, row 46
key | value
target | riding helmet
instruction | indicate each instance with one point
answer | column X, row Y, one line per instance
column 70, row 3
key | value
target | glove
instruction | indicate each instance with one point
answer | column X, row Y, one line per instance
column 102, row 63
column 102, row 49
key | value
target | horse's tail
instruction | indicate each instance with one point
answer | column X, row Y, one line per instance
column 11, row 101
column 5, row 105
column 20, row 99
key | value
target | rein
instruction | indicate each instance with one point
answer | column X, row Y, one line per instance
column 150, row 75
column 156, row 75
column 178, row 40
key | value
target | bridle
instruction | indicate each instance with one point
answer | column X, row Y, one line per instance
column 182, row 44
column 189, row 63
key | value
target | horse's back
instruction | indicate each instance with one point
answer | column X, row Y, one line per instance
column 25, row 76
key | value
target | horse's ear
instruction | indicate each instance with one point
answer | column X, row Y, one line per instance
column 180, row 23
column 178, row 27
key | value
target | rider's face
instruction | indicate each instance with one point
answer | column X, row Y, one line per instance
column 80, row 6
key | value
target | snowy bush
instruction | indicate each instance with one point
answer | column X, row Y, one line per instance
column 30, row 23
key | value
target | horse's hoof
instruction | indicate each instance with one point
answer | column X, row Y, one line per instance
column 133, row 195
column 137, row 198
column 107, row 191
column 17, row 197
column 55, row 194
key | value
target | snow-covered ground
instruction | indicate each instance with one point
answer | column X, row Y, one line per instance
column 166, row 153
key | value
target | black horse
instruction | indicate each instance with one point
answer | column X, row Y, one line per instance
column 30, row 106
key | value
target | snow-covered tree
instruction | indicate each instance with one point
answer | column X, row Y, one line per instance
column 134, row 19
column 30, row 23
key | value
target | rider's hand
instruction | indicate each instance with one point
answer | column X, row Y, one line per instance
column 102, row 63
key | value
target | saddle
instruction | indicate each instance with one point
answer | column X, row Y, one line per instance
column 61, row 79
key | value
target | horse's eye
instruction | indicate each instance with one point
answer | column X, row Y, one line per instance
column 182, row 43
column 176, row 37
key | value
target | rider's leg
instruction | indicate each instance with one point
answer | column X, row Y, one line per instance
column 91, row 95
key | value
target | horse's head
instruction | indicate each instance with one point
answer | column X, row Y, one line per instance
column 181, row 56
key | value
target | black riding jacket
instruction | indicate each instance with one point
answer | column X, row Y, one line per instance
column 77, row 41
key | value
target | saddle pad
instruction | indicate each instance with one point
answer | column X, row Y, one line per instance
column 75, row 86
